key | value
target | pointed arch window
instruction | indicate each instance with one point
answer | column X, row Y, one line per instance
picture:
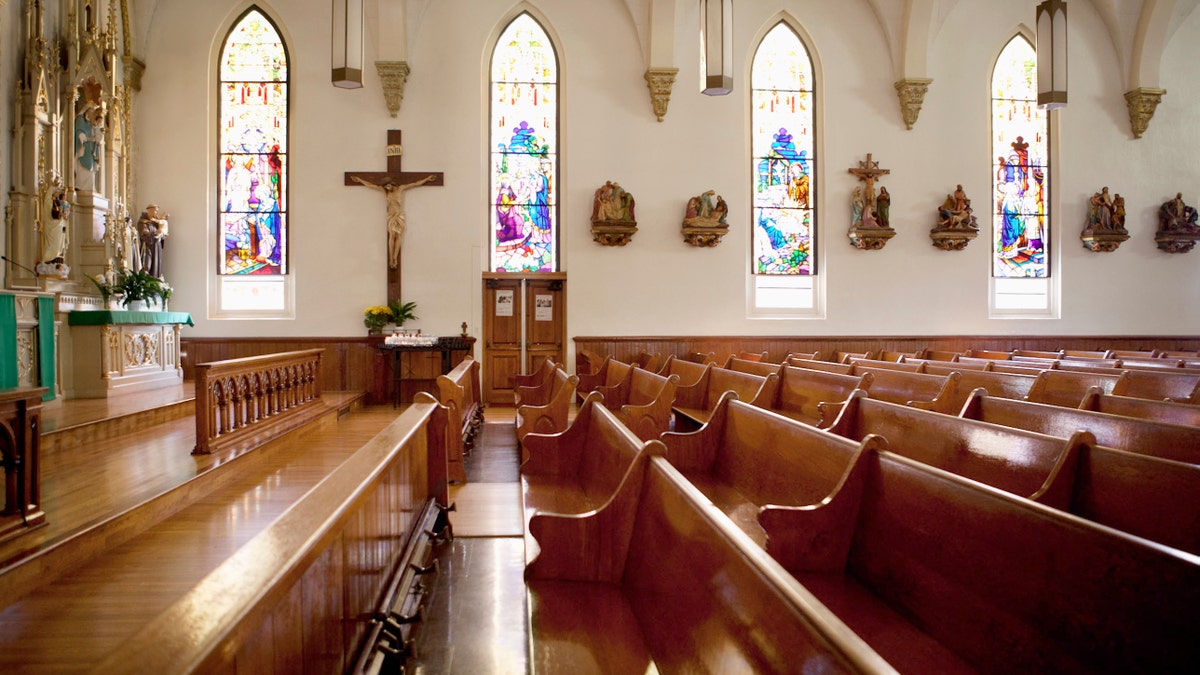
column 783, row 170
column 523, row 139
column 252, row 171
column 1021, row 219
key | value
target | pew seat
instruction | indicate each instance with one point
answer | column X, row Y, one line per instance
column 801, row 392
column 747, row 459
column 694, row 405
column 656, row 580
column 645, row 404
column 942, row 574
column 545, row 409
column 579, row 469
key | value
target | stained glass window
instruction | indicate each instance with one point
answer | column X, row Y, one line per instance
column 253, row 138
column 524, row 155
column 781, row 83
column 1020, row 169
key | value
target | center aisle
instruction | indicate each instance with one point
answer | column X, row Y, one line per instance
column 475, row 616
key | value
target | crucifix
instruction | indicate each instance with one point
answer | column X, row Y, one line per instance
column 867, row 172
column 394, row 183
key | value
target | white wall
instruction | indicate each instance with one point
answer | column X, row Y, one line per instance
column 609, row 133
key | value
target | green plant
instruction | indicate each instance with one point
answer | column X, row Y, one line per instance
column 106, row 291
column 140, row 285
column 403, row 311
column 375, row 316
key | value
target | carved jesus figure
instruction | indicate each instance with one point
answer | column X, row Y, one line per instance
column 395, row 212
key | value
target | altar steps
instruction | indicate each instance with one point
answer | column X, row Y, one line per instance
column 150, row 521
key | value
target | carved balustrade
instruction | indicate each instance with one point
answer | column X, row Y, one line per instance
column 240, row 400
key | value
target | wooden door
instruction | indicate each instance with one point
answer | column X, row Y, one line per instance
column 501, row 338
column 524, row 321
column 545, row 322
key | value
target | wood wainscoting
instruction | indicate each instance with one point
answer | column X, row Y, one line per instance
column 778, row 347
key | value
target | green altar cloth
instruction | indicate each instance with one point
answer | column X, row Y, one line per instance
column 109, row 317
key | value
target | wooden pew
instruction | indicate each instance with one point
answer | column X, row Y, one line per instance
column 844, row 357
column 579, row 469
column 950, row 364
column 806, row 356
column 610, row 375
column 656, row 580
column 647, row 361
column 1160, row 386
column 1141, row 494
column 459, row 392
column 535, row 379
column 689, row 372
column 940, row 355
column 1038, row 354
column 693, row 405
column 801, row 392
column 587, row 362
column 1017, row 368
column 753, row 367
column 898, row 357
column 750, row 356
column 1017, row 461
column 827, row 366
column 1162, row 411
column 1006, row 385
column 900, row 387
column 545, row 409
column 702, row 358
column 645, row 404
column 887, row 365
column 746, row 460
column 1067, row 388
column 939, row 573
column 989, row 354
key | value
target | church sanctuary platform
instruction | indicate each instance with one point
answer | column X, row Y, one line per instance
column 135, row 520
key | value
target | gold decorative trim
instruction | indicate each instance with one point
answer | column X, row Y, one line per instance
column 660, row 81
column 1142, row 103
column 911, row 92
column 394, row 75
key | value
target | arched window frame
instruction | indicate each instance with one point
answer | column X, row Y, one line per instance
column 252, row 296
column 772, row 296
column 537, row 209
column 1010, row 296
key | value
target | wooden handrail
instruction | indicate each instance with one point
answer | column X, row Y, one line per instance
column 316, row 575
column 238, row 399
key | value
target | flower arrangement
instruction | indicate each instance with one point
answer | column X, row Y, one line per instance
column 375, row 316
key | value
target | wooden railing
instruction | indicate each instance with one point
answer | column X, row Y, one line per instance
column 307, row 593
column 20, row 443
column 240, row 402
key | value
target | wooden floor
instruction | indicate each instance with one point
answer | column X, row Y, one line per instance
column 208, row 506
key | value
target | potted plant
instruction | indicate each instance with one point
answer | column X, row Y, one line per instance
column 135, row 288
column 375, row 316
column 402, row 311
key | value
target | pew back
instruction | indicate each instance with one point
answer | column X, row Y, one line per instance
column 1014, row 460
column 1023, row 588
column 901, row 387
column 647, row 408
column 763, row 368
column 1066, row 388
column 1160, row 386
column 1162, row 411
column 689, row 372
column 802, row 390
column 1005, row 385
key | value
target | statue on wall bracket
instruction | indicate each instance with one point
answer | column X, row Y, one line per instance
column 1177, row 228
column 613, row 219
column 870, row 213
column 1105, row 227
column 956, row 224
column 704, row 220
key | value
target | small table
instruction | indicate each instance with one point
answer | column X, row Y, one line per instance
column 446, row 346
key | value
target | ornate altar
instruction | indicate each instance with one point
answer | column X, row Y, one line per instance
column 122, row 351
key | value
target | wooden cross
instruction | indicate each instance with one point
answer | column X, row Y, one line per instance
column 401, row 180
column 867, row 172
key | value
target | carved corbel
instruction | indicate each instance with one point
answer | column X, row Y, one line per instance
column 1142, row 102
column 911, row 91
column 394, row 75
column 660, row 81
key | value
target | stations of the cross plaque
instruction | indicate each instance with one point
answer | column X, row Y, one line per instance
column 867, row 172
column 394, row 183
